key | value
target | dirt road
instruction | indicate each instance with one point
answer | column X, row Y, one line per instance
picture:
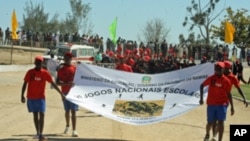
column 17, row 124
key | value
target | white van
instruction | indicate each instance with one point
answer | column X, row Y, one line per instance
column 81, row 53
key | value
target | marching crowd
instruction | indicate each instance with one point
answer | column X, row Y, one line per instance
column 151, row 58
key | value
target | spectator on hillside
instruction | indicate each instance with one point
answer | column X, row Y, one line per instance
column 7, row 36
column 36, row 38
column 164, row 48
column 151, row 46
column 98, row 57
column 203, row 59
column 1, row 36
column 191, row 62
column 100, row 45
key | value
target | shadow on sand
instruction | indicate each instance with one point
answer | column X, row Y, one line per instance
column 55, row 137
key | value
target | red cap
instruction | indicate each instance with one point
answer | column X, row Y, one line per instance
column 146, row 58
column 131, row 62
column 137, row 56
column 155, row 55
column 39, row 58
column 228, row 64
column 120, row 56
column 68, row 54
column 220, row 64
column 135, row 51
column 111, row 54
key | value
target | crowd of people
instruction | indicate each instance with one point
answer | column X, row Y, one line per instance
column 126, row 55
column 152, row 57
column 219, row 92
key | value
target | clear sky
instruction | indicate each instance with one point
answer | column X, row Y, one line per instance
column 132, row 14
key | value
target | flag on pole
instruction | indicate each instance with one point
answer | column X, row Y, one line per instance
column 229, row 32
column 112, row 30
column 14, row 25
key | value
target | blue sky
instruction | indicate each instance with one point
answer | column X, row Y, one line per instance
column 132, row 14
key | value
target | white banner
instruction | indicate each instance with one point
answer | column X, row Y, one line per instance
column 138, row 99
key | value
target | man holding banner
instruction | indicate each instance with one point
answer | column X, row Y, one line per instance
column 65, row 76
column 219, row 87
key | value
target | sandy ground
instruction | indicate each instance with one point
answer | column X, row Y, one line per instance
column 17, row 124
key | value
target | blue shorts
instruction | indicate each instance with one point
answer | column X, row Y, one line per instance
column 38, row 105
column 216, row 112
column 69, row 105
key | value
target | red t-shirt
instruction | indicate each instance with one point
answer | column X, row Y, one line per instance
column 36, row 83
column 233, row 79
column 124, row 67
column 218, row 89
column 66, row 74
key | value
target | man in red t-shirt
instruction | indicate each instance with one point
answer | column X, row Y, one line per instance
column 234, row 82
column 65, row 77
column 36, row 79
column 219, row 87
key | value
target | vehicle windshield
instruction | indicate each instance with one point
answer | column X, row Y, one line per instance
column 86, row 52
column 61, row 51
column 80, row 51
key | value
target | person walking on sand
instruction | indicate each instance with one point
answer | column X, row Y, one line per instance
column 36, row 79
column 219, row 87
column 65, row 76
column 234, row 82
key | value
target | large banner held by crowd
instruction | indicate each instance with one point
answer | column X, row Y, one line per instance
column 138, row 99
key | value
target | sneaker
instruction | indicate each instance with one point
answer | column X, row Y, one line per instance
column 214, row 139
column 66, row 130
column 74, row 134
column 42, row 138
column 36, row 136
column 206, row 138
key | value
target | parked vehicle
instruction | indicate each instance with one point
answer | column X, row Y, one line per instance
column 81, row 53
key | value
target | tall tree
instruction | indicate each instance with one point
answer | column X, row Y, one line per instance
column 78, row 20
column 241, row 22
column 155, row 29
column 191, row 40
column 201, row 17
column 35, row 19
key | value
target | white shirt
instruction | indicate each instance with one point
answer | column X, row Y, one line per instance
column 52, row 65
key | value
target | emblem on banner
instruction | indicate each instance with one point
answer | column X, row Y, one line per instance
column 146, row 80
